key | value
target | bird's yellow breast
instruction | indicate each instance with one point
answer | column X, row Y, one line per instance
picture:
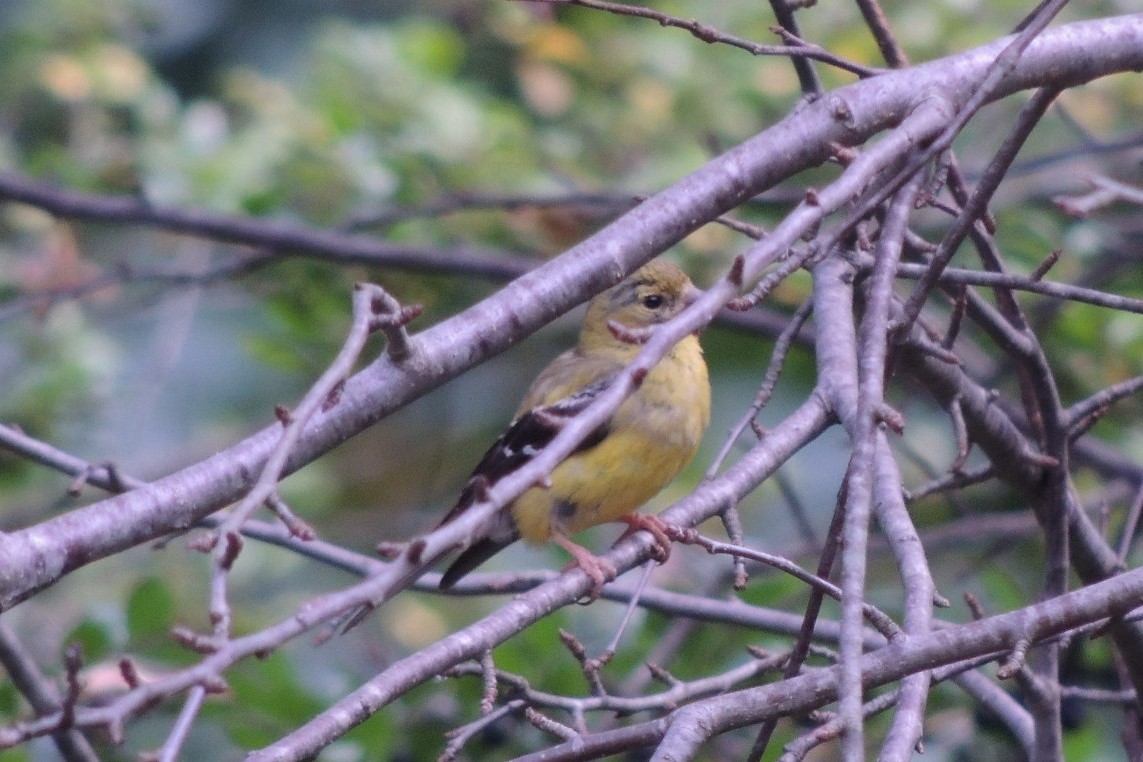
column 651, row 437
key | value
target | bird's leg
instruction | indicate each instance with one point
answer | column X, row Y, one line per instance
column 658, row 528
column 600, row 571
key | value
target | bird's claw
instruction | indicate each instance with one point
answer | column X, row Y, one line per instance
column 659, row 529
column 599, row 570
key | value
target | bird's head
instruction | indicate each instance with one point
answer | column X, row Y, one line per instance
column 653, row 294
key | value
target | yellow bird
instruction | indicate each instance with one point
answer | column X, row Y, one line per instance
column 650, row 438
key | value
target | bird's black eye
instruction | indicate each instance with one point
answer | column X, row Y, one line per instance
column 653, row 301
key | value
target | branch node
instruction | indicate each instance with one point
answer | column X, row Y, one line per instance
column 548, row 725
column 203, row 543
column 974, row 606
column 415, row 551
column 129, row 672
column 890, row 417
column 1043, row 268
column 230, row 553
column 282, row 413
column 573, row 645
column 389, row 550
column 189, row 639
column 840, row 111
column 1016, row 659
column 842, row 154
column 737, row 270
column 333, row 397
column 488, row 677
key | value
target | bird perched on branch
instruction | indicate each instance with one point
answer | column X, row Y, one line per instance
column 652, row 435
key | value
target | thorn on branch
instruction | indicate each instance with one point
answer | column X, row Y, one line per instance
column 282, row 413
column 812, row 198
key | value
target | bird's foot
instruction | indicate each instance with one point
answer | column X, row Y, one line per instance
column 659, row 529
column 600, row 571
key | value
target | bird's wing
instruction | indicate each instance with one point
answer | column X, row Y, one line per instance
column 528, row 435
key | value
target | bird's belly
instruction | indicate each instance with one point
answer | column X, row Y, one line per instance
column 603, row 483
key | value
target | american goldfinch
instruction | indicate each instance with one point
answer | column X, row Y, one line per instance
column 651, row 436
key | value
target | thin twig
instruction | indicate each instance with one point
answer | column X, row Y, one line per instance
column 711, row 35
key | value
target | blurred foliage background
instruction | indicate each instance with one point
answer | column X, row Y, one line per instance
column 344, row 113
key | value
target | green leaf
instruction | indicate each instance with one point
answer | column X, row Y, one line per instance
column 94, row 638
column 150, row 609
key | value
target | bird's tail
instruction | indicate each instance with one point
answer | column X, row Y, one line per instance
column 473, row 557
column 354, row 616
